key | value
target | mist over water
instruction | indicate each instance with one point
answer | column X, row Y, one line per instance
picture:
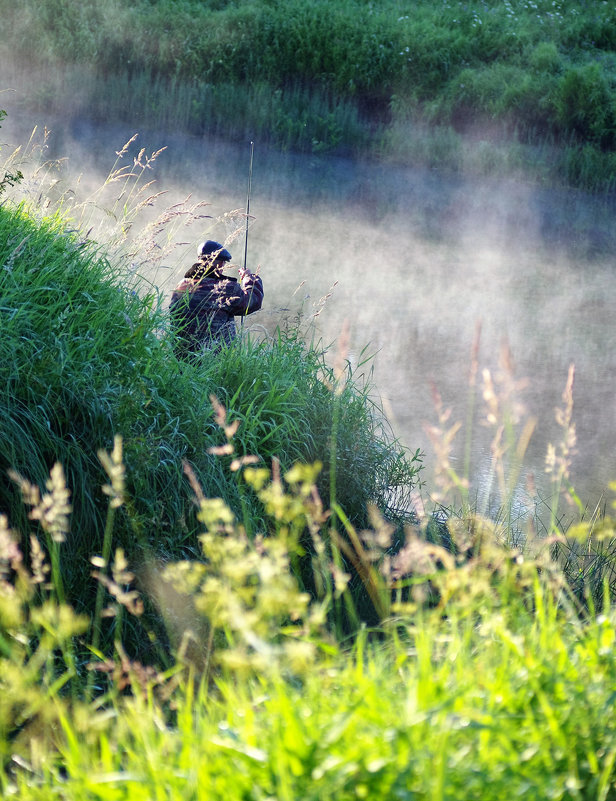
column 415, row 261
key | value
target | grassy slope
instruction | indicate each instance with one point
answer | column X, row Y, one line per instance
column 505, row 688
column 349, row 75
column 507, row 694
column 83, row 359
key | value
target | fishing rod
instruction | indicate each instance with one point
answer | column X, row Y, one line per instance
column 252, row 148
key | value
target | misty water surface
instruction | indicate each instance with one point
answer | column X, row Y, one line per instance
column 414, row 262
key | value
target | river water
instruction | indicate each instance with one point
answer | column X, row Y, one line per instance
column 414, row 263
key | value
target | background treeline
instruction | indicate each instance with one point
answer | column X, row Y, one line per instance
column 490, row 86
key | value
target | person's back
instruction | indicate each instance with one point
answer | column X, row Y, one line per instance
column 204, row 304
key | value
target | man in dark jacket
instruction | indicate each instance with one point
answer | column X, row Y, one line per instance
column 205, row 302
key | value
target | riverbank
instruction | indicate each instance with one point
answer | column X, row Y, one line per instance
column 491, row 89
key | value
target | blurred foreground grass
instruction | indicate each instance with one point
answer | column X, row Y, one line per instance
column 486, row 677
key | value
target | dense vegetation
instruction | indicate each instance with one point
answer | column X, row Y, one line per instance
column 203, row 668
column 487, row 670
column 486, row 86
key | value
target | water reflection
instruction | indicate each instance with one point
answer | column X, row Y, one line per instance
column 415, row 260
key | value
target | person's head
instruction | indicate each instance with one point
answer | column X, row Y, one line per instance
column 212, row 259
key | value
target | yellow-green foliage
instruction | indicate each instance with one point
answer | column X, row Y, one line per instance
column 246, row 590
column 487, row 681
column 36, row 651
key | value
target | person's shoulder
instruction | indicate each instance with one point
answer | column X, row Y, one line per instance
column 185, row 283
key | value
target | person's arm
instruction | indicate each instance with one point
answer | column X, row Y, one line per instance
column 179, row 305
column 253, row 287
column 250, row 295
column 179, row 292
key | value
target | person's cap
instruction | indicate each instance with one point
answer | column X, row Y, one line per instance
column 210, row 247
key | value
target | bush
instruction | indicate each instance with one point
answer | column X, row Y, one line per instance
column 586, row 105
column 322, row 77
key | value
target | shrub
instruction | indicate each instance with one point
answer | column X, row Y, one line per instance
column 586, row 105
column 322, row 77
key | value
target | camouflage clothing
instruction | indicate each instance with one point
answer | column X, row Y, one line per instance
column 202, row 311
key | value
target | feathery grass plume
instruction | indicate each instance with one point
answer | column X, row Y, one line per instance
column 116, row 471
column 586, row 550
column 37, row 631
column 121, row 577
column 114, row 467
column 442, row 437
column 258, row 618
column 503, row 506
column 10, row 178
column 52, row 511
column 230, row 429
column 113, row 212
column 507, row 416
column 558, row 458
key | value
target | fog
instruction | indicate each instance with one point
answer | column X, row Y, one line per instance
column 414, row 262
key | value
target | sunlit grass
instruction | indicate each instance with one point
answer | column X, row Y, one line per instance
column 486, row 677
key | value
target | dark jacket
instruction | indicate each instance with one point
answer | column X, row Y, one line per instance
column 202, row 311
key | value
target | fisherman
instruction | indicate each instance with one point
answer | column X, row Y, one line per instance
column 205, row 302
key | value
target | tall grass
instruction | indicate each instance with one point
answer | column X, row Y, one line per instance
column 487, row 678
column 339, row 76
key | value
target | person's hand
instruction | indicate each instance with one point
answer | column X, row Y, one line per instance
column 242, row 272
